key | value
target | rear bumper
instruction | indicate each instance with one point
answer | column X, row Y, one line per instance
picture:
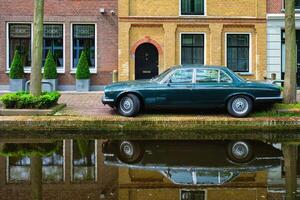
column 269, row 99
column 107, row 101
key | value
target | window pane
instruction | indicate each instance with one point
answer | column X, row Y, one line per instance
column 84, row 40
column 207, row 75
column 84, row 160
column 192, row 49
column 19, row 169
column 182, row 76
column 192, row 7
column 238, row 52
column 224, row 78
column 20, row 39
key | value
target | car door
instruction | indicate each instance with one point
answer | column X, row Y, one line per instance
column 212, row 86
column 179, row 88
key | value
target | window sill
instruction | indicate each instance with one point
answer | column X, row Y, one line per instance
column 27, row 70
column 245, row 73
column 92, row 71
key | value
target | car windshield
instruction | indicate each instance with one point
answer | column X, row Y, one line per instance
column 162, row 75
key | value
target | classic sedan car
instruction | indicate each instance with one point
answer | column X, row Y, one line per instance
column 193, row 162
column 191, row 86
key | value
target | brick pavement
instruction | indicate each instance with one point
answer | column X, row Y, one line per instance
column 84, row 104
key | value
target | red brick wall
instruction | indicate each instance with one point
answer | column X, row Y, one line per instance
column 274, row 6
column 67, row 12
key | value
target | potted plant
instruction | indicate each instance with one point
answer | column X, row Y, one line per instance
column 16, row 73
column 83, row 74
column 50, row 73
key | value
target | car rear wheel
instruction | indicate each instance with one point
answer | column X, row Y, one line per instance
column 129, row 105
column 239, row 151
column 239, row 106
column 130, row 152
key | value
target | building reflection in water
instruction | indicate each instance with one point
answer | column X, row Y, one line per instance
column 76, row 170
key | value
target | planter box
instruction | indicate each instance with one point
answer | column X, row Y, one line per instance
column 31, row 112
column 82, row 85
column 47, row 88
column 16, row 85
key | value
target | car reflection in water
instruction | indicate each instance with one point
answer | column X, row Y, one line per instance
column 193, row 162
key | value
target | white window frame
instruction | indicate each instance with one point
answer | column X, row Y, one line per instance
column 27, row 69
column 192, row 190
column 192, row 33
column 250, row 71
column 92, row 70
column 283, row 7
column 60, row 70
column 181, row 15
column 96, row 163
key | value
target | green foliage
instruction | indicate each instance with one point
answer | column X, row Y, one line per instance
column 83, row 70
column 26, row 149
column 50, row 71
column 22, row 100
column 16, row 69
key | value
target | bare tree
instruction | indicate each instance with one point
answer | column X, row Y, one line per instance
column 289, row 92
column 38, row 29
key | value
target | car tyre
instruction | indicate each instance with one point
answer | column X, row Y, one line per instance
column 130, row 152
column 239, row 106
column 239, row 151
column 129, row 105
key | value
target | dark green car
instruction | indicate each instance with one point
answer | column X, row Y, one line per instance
column 191, row 86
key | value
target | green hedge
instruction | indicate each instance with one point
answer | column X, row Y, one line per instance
column 83, row 69
column 16, row 68
column 50, row 71
column 23, row 100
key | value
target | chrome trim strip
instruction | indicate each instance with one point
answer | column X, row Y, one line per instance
column 269, row 98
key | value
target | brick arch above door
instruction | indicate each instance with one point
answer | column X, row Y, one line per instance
column 146, row 39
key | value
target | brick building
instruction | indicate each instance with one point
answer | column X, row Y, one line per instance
column 154, row 35
column 276, row 39
column 70, row 27
column 68, row 173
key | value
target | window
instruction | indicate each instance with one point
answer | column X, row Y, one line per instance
column 53, row 165
column 238, row 52
column 53, row 41
column 297, row 4
column 192, row 49
column 224, row 78
column 207, row 75
column 192, row 195
column 84, row 160
column 18, row 169
column 84, row 40
column 182, row 76
column 192, row 7
column 20, row 39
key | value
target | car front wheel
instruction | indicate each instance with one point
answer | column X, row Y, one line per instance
column 130, row 152
column 129, row 105
column 239, row 151
column 239, row 106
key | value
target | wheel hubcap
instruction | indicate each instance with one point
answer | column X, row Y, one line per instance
column 240, row 105
column 127, row 149
column 240, row 150
column 126, row 105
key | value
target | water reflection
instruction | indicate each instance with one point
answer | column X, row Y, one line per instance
column 183, row 170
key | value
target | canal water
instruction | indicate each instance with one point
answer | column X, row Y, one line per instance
column 88, row 168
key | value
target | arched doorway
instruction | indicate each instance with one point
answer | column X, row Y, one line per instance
column 146, row 61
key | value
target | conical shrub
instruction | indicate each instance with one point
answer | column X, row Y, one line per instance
column 16, row 68
column 83, row 70
column 50, row 71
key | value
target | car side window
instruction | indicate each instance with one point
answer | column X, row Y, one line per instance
column 224, row 78
column 207, row 76
column 182, row 76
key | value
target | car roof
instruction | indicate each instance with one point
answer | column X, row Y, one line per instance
column 201, row 66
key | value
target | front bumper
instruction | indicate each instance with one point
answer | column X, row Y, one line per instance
column 107, row 101
column 269, row 99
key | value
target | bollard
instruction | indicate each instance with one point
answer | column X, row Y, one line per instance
column 115, row 76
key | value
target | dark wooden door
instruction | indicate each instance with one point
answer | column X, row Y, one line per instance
column 146, row 61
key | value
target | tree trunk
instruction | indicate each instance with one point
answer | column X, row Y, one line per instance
column 289, row 92
column 290, row 168
column 38, row 29
column 36, row 177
